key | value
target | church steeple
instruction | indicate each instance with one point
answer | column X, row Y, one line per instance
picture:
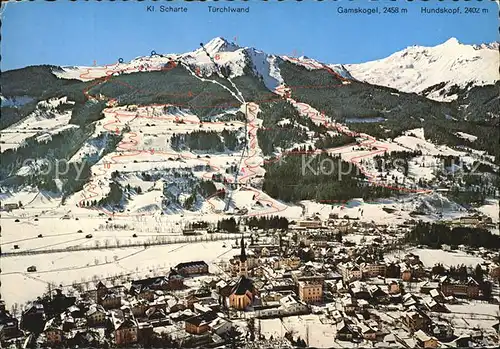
column 243, row 259
column 243, row 255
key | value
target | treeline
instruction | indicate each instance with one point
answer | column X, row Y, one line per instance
column 395, row 160
column 72, row 176
column 230, row 225
column 114, row 196
column 402, row 111
column 11, row 115
column 264, row 222
column 280, row 136
column 207, row 189
column 463, row 273
column 460, row 272
column 276, row 133
column 59, row 146
column 470, row 196
column 87, row 112
column 441, row 131
column 435, row 235
column 328, row 141
column 358, row 99
column 205, row 99
column 319, row 177
column 204, row 141
column 238, row 116
column 40, row 83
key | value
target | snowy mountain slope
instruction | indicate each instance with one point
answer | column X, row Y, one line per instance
column 147, row 125
column 46, row 120
column 312, row 64
column 222, row 52
column 238, row 60
column 418, row 68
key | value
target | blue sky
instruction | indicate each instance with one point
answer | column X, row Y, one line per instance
column 77, row 33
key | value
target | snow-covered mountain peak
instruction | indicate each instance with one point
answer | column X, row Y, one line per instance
column 450, row 42
column 418, row 68
column 219, row 44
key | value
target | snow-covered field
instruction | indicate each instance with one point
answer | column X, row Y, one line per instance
column 18, row 286
column 305, row 326
column 431, row 257
column 491, row 209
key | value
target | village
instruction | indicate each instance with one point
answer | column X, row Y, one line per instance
column 334, row 283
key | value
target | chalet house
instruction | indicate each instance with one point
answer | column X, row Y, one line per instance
column 33, row 319
column 394, row 287
column 432, row 305
column 96, row 316
column 101, row 291
column 409, row 300
column 8, row 326
column 192, row 268
column 416, row 319
column 156, row 314
column 53, row 332
column 194, row 298
column 174, row 305
column 83, row 339
column 138, row 307
column 368, row 332
column 290, row 305
column 220, row 326
column 145, row 288
column 346, row 332
column 442, row 331
column 77, row 311
column 359, row 290
column 424, row 341
column 428, row 286
column 68, row 323
column 61, row 302
column 292, row 262
column 406, row 272
column 349, row 305
column 282, row 284
column 437, row 295
column 111, row 301
column 377, row 293
column 126, row 332
column 199, row 324
column 285, row 306
column 469, row 289
column 393, row 270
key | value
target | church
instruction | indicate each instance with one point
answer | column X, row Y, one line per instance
column 243, row 292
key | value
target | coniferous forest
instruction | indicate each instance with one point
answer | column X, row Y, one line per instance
column 435, row 235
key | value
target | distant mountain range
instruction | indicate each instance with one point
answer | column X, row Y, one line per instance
column 435, row 72
column 450, row 92
column 438, row 72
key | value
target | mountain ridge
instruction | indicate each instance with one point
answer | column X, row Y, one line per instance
column 436, row 71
